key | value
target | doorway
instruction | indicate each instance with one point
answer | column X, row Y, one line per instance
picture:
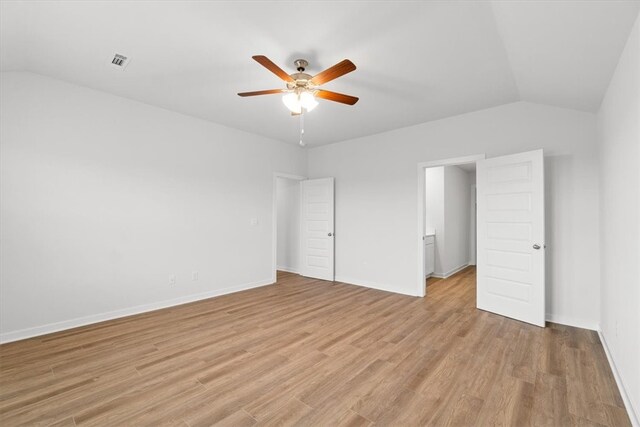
column 286, row 224
column 449, row 217
column 303, row 227
column 509, row 233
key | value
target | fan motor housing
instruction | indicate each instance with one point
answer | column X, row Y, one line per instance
column 301, row 78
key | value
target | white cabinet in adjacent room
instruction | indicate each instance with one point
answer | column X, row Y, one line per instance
column 429, row 255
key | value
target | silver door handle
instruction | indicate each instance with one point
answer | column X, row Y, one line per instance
column 330, row 234
column 536, row 246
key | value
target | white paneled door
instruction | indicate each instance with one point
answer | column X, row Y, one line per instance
column 510, row 264
column 317, row 228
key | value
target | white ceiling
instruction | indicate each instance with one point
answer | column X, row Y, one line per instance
column 417, row 61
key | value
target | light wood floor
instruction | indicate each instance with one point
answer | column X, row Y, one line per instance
column 307, row 352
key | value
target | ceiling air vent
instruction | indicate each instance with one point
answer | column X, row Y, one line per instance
column 119, row 61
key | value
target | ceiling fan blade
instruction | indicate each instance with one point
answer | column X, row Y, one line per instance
column 269, row 65
column 261, row 92
column 340, row 69
column 337, row 97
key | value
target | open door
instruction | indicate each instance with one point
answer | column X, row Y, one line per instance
column 510, row 264
column 317, row 229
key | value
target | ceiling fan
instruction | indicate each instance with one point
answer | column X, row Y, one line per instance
column 303, row 89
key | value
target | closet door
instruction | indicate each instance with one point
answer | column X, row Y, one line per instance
column 317, row 235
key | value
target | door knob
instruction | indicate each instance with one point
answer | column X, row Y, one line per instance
column 330, row 234
column 536, row 246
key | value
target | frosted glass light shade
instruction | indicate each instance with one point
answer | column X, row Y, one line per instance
column 308, row 101
column 292, row 102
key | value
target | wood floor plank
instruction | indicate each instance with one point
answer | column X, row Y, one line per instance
column 465, row 411
column 550, row 401
column 509, row 403
column 288, row 414
column 310, row 352
column 67, row 422
column 352, row 419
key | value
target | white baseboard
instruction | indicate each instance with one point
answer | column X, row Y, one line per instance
column 450, row 272
column 372, row 285
column 287, row 269
column 567, row 321
column 95, row 318
column 635, row 421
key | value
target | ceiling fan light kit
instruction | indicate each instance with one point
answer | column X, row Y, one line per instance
column 297, row 100
column 302, row 88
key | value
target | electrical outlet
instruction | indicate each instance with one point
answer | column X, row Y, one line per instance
column 194, row 275
column 172, row 280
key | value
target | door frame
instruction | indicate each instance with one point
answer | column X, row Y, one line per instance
column 453, row 161
column 274, row 219
column 473, row 224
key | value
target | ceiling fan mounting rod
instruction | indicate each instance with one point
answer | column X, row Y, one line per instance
column 301, row 64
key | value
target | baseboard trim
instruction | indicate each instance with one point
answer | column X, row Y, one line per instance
column 623, row 391
column 287, row 269
column 369, row 284
column 562, row 320
column 450, row 272
column 36, row 331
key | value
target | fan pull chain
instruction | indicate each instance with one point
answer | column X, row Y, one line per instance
column 302, row 143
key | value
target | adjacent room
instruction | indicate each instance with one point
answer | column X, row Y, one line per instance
column 305, row 213
column 287, row 222
column 450, row 219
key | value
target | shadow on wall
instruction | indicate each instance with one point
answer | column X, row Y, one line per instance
column 558, row 210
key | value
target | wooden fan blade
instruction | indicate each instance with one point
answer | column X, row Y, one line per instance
column 269, row 65
column 261, row 92
column 337, row 97
column 340, row 69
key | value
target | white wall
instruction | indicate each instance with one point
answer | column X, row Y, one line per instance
column 288, row 212
column 619, row 155
column 377, row 197
column 103, row 199
column 457, row 189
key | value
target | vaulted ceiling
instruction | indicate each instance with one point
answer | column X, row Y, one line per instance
column 417, row 61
